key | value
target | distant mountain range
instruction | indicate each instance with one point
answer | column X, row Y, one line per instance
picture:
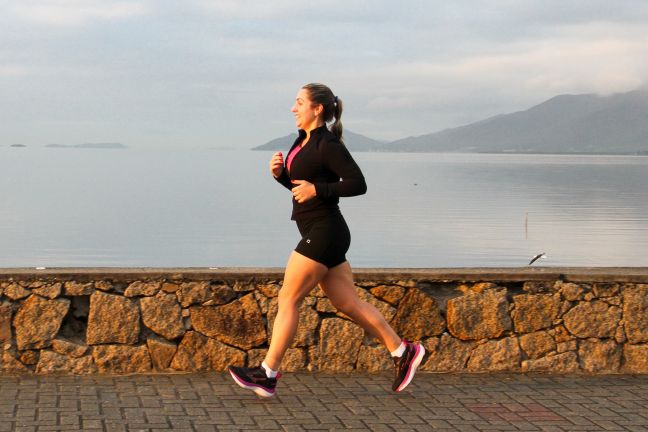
column 589, row 124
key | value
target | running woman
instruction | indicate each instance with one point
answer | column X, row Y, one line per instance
column 318, row 171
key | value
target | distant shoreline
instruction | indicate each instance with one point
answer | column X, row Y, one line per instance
column 530, row 153
column 481, row 152
column 111, row 146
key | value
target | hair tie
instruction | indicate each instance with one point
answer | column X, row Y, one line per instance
column 336, row 100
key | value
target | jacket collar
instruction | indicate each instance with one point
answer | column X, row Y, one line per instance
column 314, row 132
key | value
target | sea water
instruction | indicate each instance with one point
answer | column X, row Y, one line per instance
column 71, row 207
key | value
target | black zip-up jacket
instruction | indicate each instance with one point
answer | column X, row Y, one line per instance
column 325, row 162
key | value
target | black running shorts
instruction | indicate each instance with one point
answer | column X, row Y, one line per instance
column 325, row 239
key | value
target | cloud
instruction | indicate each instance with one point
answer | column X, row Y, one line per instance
column 72, row 13
column 400, row 70
column 585, row 58
column 12, row 70
column 243, row 9
column 280, row 9
column 415, row 95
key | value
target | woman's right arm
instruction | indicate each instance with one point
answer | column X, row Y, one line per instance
column 279, row 171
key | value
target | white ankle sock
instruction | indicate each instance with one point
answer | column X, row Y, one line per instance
column 269, row 372
column 398, row 352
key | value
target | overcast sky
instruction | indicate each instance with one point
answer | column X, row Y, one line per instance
column 201, row 73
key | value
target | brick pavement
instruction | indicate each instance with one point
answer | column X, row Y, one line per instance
column 211, row 402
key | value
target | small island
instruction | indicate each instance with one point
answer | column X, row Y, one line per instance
column 89, row 146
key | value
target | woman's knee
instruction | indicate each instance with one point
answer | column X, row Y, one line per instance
column 289, row 298
column 346, row 306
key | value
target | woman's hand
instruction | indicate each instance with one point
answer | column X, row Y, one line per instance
column 277, row 164
column 304, row 191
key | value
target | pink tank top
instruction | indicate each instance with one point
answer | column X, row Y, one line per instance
column 291, row 156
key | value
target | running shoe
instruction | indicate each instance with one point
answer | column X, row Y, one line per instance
column 254, row 379
column 405, row 366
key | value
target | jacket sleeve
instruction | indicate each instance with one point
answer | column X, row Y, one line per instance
column 336, row 158
column 284, row 179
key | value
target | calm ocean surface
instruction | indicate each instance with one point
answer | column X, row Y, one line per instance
column 210, row 208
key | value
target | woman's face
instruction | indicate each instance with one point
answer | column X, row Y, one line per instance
column 306, row 114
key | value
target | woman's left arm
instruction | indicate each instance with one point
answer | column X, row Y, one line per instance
column 338, row 159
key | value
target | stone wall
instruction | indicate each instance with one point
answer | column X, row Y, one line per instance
column 471, row 320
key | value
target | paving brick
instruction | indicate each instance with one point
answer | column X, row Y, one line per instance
column 116, row 427
column 325, row 402
column 205, row 428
